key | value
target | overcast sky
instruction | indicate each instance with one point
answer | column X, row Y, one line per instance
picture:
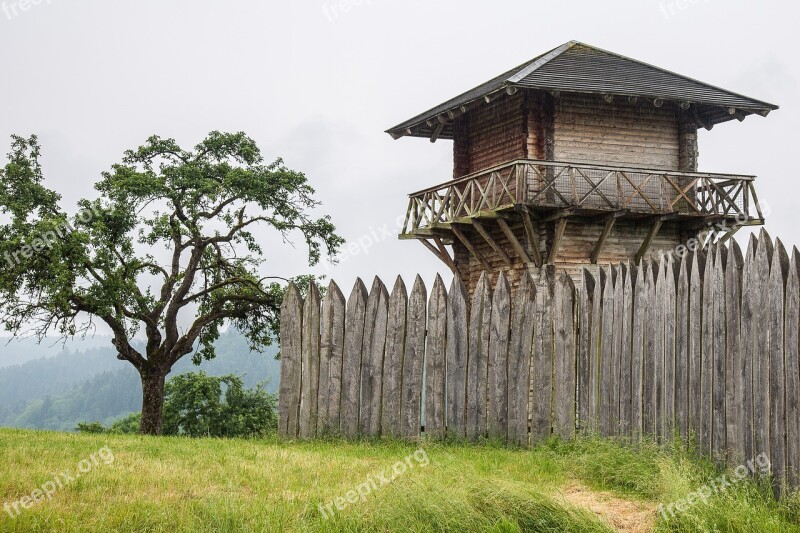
column 318, row 81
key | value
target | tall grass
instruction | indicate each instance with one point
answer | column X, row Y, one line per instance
column 178, row 484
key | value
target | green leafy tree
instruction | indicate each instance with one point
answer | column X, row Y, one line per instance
column 170, row 242
column 198, row 405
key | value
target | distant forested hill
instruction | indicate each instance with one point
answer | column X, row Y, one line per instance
column 62, row 390
column 20, row 351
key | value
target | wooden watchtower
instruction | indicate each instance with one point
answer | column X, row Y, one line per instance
column 578, row 157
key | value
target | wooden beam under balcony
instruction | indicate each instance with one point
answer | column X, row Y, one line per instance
column 610, row 221
column 469, row 246
column 654, row 229
column 507, row 231
column 490, row 240
column 561, row 227
column 532, row 231
column 441, row 252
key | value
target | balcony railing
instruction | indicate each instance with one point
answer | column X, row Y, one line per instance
column 584, row 188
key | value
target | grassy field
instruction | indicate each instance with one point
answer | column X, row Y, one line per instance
column 170, row 484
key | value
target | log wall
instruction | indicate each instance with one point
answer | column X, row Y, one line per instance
column 590, row 130
column 579, row 128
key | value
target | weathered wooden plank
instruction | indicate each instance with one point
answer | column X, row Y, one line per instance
column 707, row 361
column 596, row 333
column 696, row 278
column 478, row 362
column 457, row 352
column 626, row 354
column 564, row 360
column 735, row 363
column 793, row 372
column 291, row 354
column 659, row 368
column 519, row 361
column 414, row 361
column 761, row 362
column 372, row 360
column 719, row 432
column 586, row 304
column 309, row 386
column 435, row 392
column 749, row 282
column 497, row 415
column 392, row 388
column 619, row 295
column 777, row 363
column 331, row 351
column 669, row 350
column 608, row 398
column 351, row 359
column 649, row 375
column 682, row 350
column 541, row 420
column 637, row 352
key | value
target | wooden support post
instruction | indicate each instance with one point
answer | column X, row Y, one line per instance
column 437, row 131
column 649, row 240
column 533, row 237
column 561, row 226
column 488, row 238
column 440, row 252
column 463, row 238
column 449, row 260
column 514, row 241
column 610, row 221
column 602, row 240
column 728, row 236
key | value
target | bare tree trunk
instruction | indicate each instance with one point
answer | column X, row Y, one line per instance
column 153, row 382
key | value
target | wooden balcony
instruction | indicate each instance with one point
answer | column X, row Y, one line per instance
column 548, row 189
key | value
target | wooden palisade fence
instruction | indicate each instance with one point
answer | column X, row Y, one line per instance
column 701, row 348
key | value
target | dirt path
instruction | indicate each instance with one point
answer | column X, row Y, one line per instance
column 622, row 515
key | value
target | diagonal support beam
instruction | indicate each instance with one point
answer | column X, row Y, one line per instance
column 654, row 229
column 532, row 232
column 602, row 240
column 514, row 241
column 610, row 220
column 561, row 227
column 463, row 238
column 728, row 236
column 441, row 254
column 493, row 243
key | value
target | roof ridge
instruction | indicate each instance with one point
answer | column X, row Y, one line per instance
column 541, row 61
column 665, row 71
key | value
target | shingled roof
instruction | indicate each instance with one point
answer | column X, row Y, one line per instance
column 579, row 68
